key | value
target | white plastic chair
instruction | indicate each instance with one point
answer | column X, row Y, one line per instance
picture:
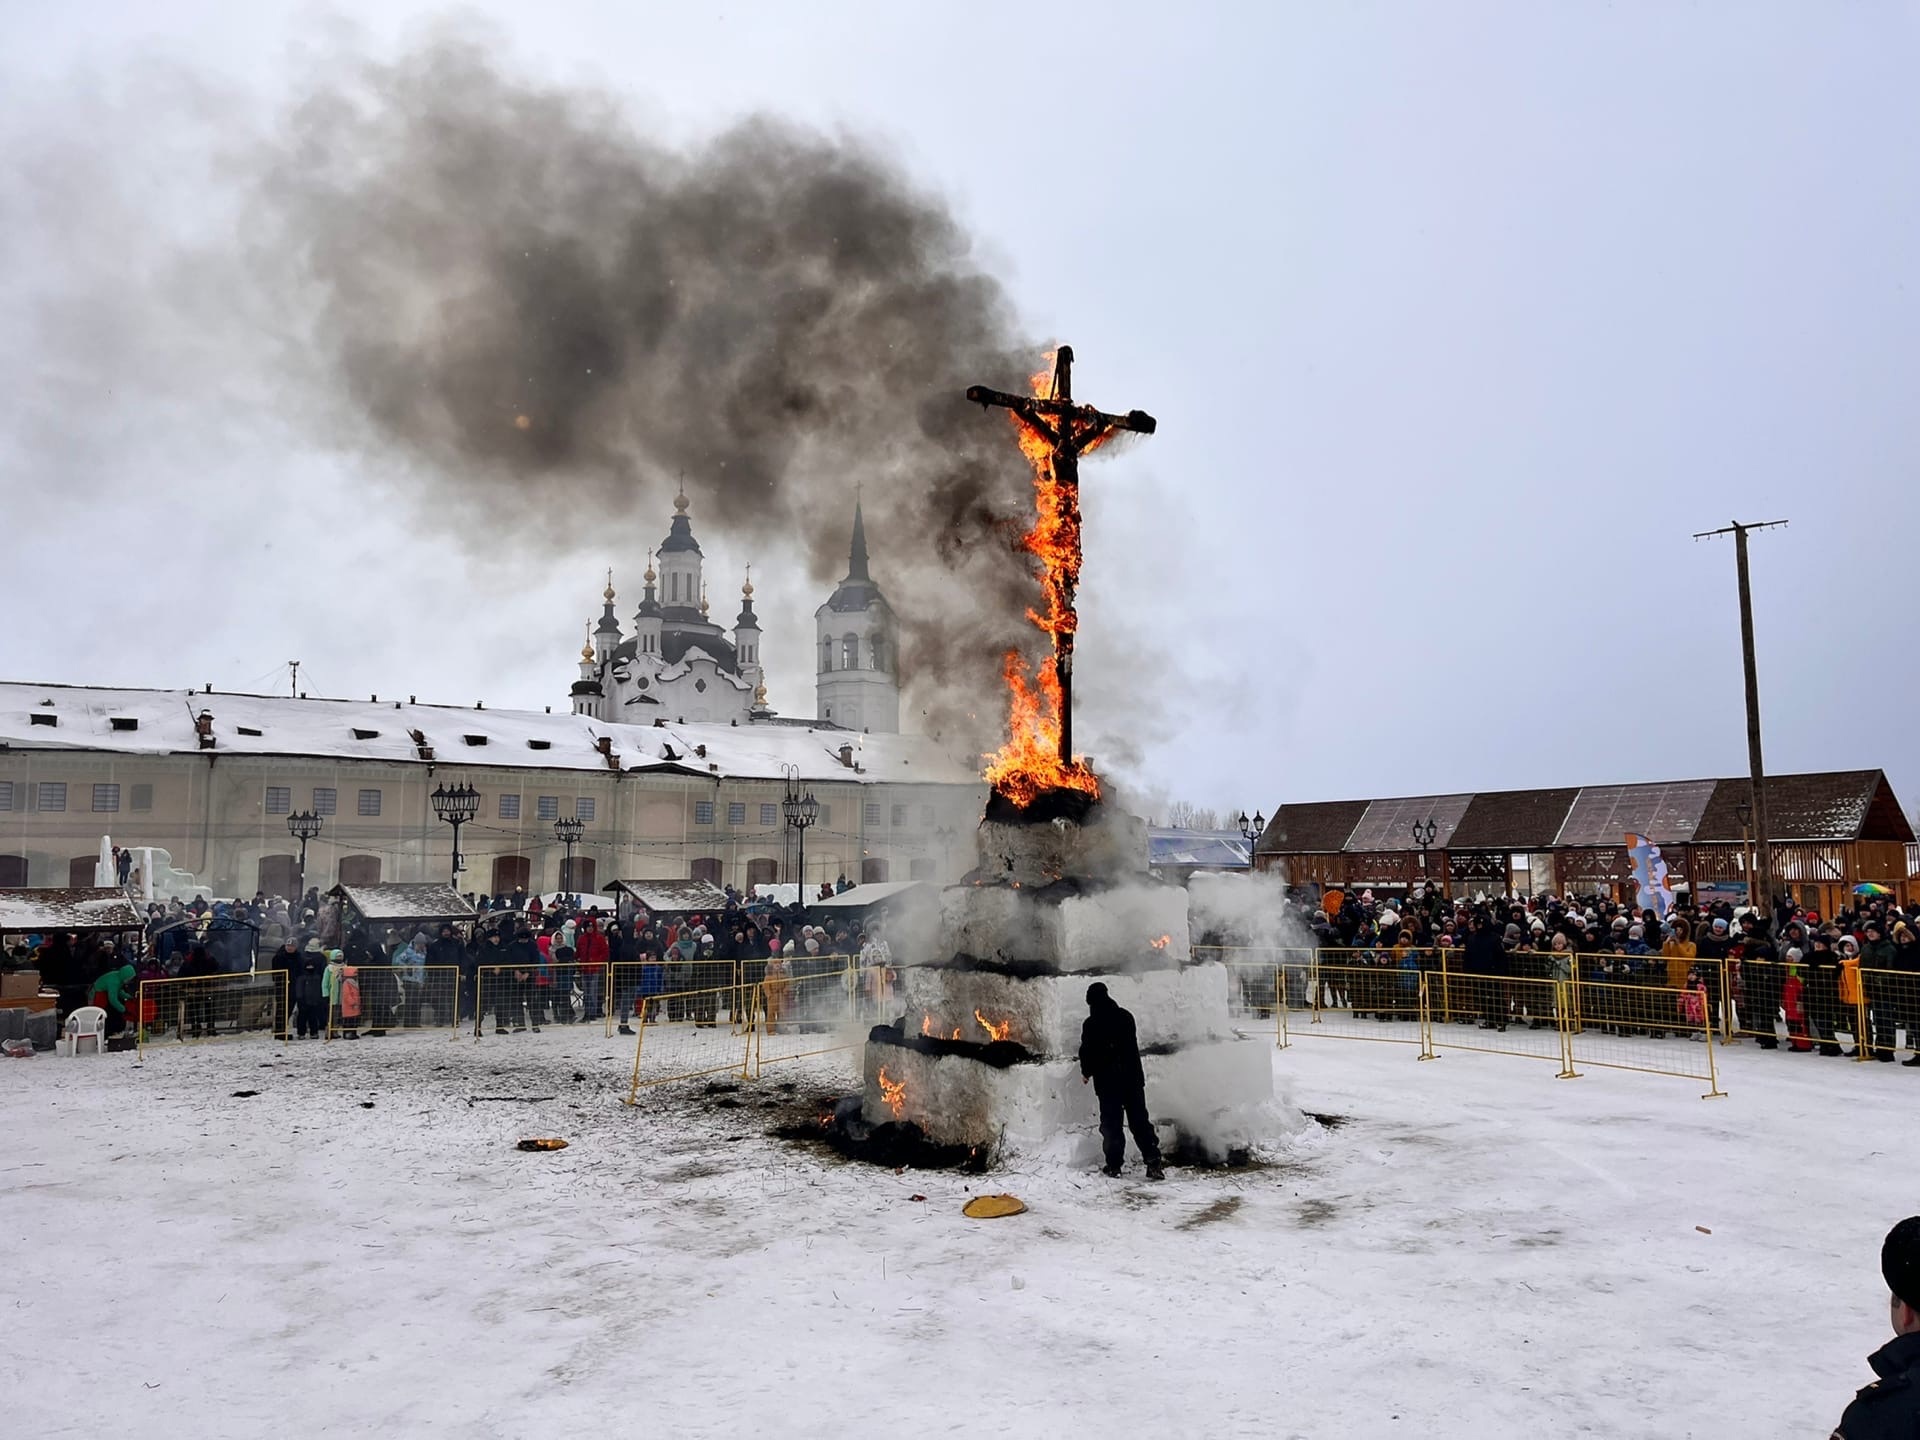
column 88, row 1022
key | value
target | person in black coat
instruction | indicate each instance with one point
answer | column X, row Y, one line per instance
column 308, row 968
column 1110, row 1059
column 1485, row 957
column 1890, row 1406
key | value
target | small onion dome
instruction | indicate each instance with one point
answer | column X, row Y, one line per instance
column 760, row 694
column 680, row 501
column 650, row 576
column 607, row 594
column 703, row 599
column 586, row 650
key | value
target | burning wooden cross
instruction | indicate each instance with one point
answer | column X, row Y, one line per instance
column 1055, row 433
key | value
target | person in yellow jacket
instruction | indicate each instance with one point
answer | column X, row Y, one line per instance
column 1680, row 953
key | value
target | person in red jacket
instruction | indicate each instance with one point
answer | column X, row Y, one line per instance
column 593, row 952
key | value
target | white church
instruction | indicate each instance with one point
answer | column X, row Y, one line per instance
column 680, row 665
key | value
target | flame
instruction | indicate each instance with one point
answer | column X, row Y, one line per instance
column 1162, row 942
column 994, row 1032
column 956, row 1032
column 1030, row 760
column 894, row 1093
column 926, row 1024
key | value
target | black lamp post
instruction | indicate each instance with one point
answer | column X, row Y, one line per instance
column 567, row 831
column 800, row 812
column 1251, row 831
column 1423, row 833
column 303, row 825
column 456, row 806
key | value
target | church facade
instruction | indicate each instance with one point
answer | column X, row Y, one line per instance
column 678, row 664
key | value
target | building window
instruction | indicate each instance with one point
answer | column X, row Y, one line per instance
column 326, row 800
column 703, row 812
column 142, row 797
column 850, row 653
column 547, row 807
column 6, row 794
column 106, row 798
column 826, row 654
column 369, row 802
column 583, row 807
column 53, row 795
column 879, row 653
column 279, row 800
column 899, row 814
column 870, row 812
column 737, row 813
column 509, row 807
column 769, row 814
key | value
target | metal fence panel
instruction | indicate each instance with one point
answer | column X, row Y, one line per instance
column 201, row 1008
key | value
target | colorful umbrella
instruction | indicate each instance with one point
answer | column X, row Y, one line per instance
column 1869, row 888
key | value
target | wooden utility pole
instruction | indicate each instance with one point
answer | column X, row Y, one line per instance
column 1763, row 849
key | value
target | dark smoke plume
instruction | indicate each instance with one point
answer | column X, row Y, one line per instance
column 545, row 314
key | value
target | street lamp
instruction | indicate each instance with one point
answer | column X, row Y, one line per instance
column 456, row 806
column 303, row 825
column 800, row 812
column 567, row 832
column 1423, row 833
column 1251, row 831
column 945, row 835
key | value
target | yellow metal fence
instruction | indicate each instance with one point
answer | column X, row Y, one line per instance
column 383, row 999
column 204, row 1008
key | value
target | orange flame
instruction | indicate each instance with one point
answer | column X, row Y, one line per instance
column 1162, row 942
column 1030, row 760
column 894, row 1093
column 926, row 1024
column 994, row 1032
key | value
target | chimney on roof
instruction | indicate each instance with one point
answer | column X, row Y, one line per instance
column 846, row 756
column 604, row 744
column 701, row 751
column 420, row 743
column 203, row 726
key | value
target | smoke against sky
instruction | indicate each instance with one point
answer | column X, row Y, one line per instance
column 1458, row 324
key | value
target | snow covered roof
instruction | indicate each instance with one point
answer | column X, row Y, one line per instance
column 387, row 903
column 27, row 911
column 674, row 896
column 1196, row 849
column 876, row 892
column 161, row 722
column 1831, row 806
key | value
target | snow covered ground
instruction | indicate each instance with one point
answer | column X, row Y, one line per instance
column 1478, row 1250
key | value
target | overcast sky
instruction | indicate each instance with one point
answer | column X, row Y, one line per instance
column 1458, row 321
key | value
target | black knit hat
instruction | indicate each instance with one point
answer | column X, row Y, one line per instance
column 1900, row 1260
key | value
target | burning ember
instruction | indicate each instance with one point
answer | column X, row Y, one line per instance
column 1053, row 433
column 894, row 1092
column 994, row 1032
column 926, row 1024
column 1162, row 942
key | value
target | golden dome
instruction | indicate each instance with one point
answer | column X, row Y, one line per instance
column 651, row 577
column 607, row 593
column 747, row 588
column 586, row 650
column 680, row 501
column 760, row 694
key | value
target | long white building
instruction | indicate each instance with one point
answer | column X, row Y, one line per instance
column 212, row 778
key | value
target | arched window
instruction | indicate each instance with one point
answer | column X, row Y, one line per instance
column 826, row 654
column 879, row 647
column 850, row 653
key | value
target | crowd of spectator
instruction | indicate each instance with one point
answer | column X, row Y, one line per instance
column 1787, row 976
column 525, row 962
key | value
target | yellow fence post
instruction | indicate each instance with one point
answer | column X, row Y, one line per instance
column 1563, row 1008
column 1426, row 1021
column 1714, row 1092
column 1280, row 1007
